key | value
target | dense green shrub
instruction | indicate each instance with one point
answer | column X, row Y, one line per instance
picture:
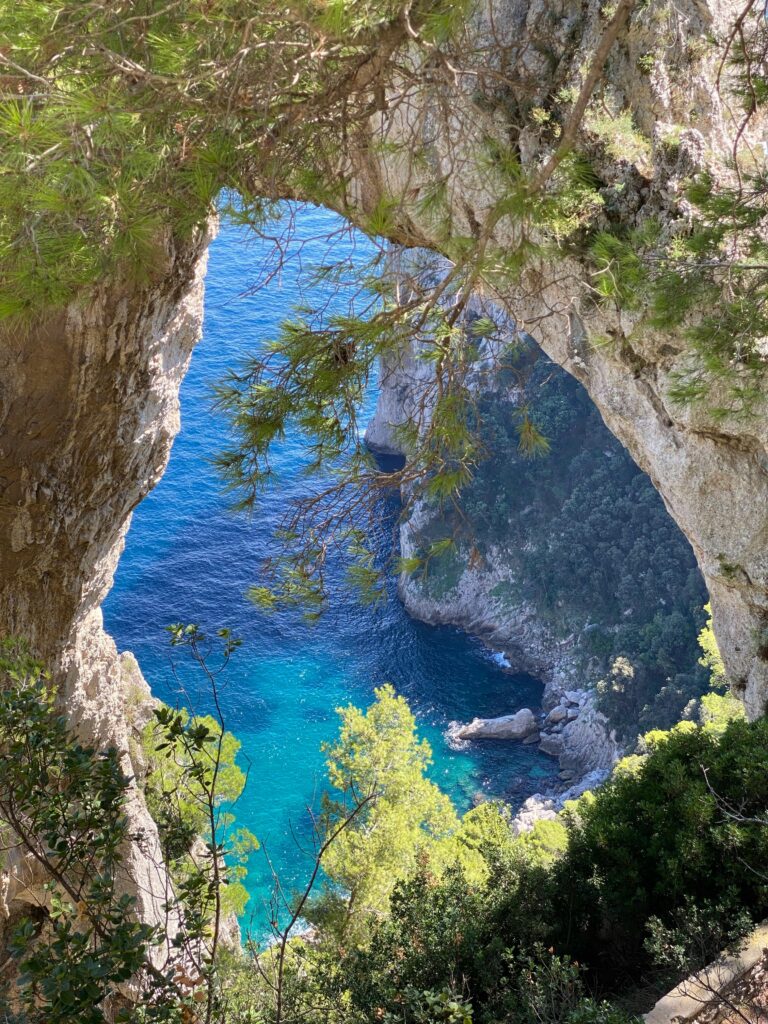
column 64, row 810
column 663, row 835
column 62, row 804
column 447, row 933
column 658, row 843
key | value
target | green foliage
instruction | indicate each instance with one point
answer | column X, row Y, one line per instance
column 407, row 823
column 718, row 710
column 647, row 874
column 172, row 790
column 549, row 986
column 728, row 370
column 653, row 839
column 532, row 443
column 425, row 918
column 188, row 758
column 710, row 658
column 621, row 274
column 618, row 134
column 120, row 125
column 545, row 842
column 442, row 568
column 311, row 382
column 192, row 782
column 696, row 937
column 431, row 1007
column 438, row 934
column 720, row 707
column 476, row 940
column 63, row 802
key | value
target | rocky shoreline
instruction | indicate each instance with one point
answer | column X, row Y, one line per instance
column 573, row 731
column 485, row 602
column 569, row 728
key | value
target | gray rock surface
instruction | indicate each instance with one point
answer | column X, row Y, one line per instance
column 552, row 744
column 588, row 743
column 518, row 726
column 548, row 806
column 88, row 412
column 557, row 714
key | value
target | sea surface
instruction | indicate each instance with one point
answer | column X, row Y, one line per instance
column 189, row 558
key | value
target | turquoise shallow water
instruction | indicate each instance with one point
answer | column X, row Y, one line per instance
column 189, row 559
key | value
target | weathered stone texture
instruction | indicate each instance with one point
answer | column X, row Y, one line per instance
column 712, row 475
column 88, row 412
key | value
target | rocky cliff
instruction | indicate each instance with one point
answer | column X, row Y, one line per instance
column 565, row 563
column 88, row 412
column 711, row 472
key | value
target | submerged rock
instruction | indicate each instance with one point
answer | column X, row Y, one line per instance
column 507, row 727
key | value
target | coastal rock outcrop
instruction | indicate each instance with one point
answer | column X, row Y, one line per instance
column 518, row 726
column 485, row 596
column 579, row 735
column 547, row 806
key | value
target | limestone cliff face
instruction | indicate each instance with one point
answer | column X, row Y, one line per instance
column 88, row 412
column 713, row 475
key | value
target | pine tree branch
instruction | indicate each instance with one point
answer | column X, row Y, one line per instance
column 594, row 74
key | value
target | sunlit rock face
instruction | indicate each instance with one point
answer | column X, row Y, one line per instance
column 712, row 474
column 88, row 412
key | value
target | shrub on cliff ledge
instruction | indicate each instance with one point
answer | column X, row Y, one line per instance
column 62, row 808
column 82, row 952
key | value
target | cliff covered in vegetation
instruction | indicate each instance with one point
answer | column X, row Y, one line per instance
column 566, row 562
column 657, row 123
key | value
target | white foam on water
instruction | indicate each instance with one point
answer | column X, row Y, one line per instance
column 499, row 658
column 452, row 737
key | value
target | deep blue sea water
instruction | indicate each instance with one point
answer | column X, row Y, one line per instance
column 189, row 558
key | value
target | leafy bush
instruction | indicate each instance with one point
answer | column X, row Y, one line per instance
column 187, row 758
column 659, row 836
column 63, row 808
column 605, row 887
column 62, row 802
column 408, row 821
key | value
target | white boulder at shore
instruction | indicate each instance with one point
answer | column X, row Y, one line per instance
column 508, row 727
